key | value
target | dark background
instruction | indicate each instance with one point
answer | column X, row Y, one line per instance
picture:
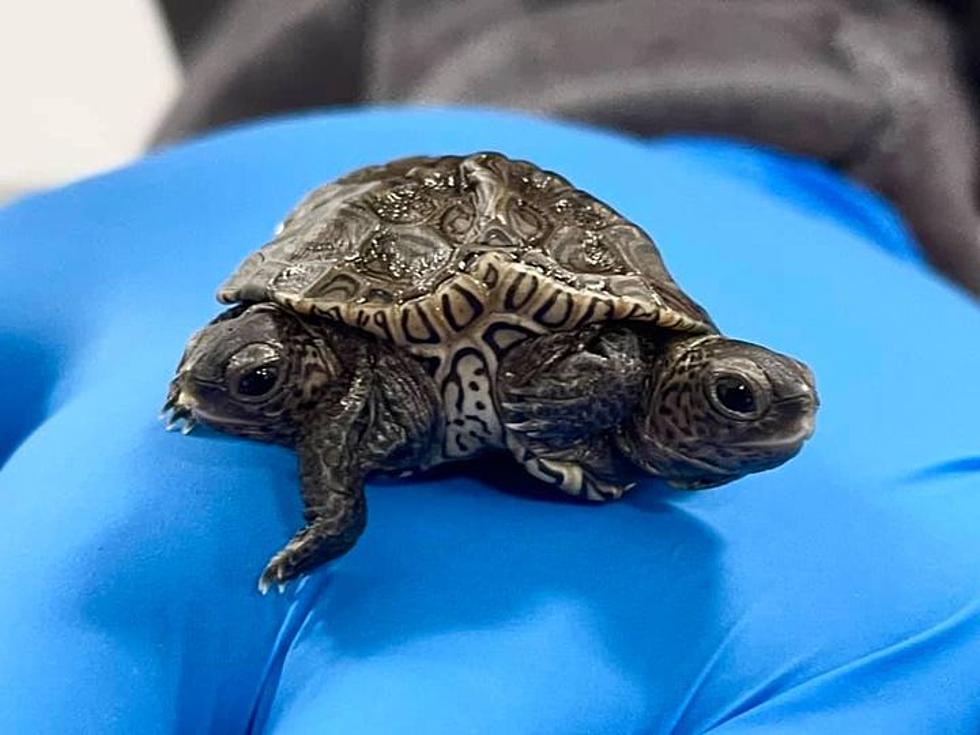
column 885, row 91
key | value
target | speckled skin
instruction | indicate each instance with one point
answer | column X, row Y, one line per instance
column 348, row 403
column 434, row 308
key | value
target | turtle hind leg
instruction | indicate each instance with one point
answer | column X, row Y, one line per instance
column 561, row 395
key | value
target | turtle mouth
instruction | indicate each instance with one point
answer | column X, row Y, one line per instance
column 183, row 411
column 806, row 400
column 794, row 440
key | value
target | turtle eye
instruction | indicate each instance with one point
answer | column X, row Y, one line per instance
column 735, row 394
column 256, row 383
column 255, row 371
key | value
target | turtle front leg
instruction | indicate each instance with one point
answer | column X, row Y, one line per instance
column 388, row 419
column 560, row 395
column 332, row 471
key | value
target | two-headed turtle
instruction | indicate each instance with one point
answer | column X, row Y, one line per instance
column 429, row 309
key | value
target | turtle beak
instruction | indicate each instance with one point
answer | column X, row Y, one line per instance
column 799, row 397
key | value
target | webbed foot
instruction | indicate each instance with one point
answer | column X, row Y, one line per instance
column 560, row 395
column 562, row 388
column 284, row 566
column 325, row 538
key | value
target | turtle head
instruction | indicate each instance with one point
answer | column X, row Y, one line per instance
column 717, row 409
column 252, row 371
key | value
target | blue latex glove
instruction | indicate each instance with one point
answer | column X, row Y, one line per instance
column 837, row 594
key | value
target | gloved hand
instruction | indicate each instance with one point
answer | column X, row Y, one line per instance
column 836, row 594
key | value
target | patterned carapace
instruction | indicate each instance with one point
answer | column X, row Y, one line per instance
column 458, row 259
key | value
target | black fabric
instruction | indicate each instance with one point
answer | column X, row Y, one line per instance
column 877, row 88
column 189, row 21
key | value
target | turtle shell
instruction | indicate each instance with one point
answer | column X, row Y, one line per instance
column 458, row 259
column 419, row 249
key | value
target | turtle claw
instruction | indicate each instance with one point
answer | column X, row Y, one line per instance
column 279, row 571
column 264, row 586
column 175, row 415
column 179, row 421
column 265, row 583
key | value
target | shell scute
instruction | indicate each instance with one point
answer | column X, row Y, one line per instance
column 422, row 251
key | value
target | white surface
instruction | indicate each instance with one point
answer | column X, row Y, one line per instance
column 84, row 85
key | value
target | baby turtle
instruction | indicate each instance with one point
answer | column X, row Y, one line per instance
column 432, row 308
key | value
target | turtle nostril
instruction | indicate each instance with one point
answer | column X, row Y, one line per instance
column 811, row 390
column 815, row 398
column 808, row 383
